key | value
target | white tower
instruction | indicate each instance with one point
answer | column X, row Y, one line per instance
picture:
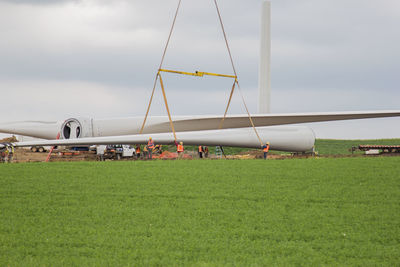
column 264, row 76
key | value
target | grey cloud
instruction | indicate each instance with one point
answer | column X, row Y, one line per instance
column 343, row 44
column 39, row 2
column 333, row 45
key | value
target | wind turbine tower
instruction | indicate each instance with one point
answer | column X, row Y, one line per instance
column 264, row 76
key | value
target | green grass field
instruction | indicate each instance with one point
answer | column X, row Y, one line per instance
column 325, row 147
column 203, row 213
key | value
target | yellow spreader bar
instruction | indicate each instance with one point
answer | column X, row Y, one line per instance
column 199, row 73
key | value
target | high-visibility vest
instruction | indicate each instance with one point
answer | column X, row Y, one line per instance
column 180, row 148
column 150, row 144
column 266, row 149
column 138, row 150
column 200, row 149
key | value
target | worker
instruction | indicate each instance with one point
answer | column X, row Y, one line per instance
column 179, row 149
column 205, row 151
column 265, row 150
column 100, row 149
column 5, row 157
column 145, row 152
column 2, row 154
column 10, row 153
column 200, row 150
column 137, row 150
column 150, row 146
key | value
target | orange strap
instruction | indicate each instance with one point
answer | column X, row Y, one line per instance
column 166, row 106
column 148, row 107
column 227, row 106
column 52, row 148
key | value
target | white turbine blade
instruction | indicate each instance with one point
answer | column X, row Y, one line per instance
column 160, row 124
column 260, row 120
column 283, row 138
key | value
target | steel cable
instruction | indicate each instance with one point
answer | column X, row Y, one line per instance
column 158, row 75
column 237, row 82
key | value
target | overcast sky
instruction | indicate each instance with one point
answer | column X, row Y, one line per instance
column 98, row 58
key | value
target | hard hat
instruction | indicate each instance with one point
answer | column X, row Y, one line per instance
column 181, row 143
column 150, row 138
column 267, row 143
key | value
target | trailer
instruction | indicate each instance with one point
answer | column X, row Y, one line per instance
column 39, row 149
column 377, row 149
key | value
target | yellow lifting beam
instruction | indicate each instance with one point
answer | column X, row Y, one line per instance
column 199, row 73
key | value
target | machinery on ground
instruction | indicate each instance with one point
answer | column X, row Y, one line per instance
column 40, row 149
column 119, row 151
column 377, row 149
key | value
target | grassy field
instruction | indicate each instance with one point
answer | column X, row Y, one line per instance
column 204, row 213
column 325, row 147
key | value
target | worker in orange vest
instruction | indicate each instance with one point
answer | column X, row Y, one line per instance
column 150, row 146
column 137, row 150
column 200, row 152
column 265, row 150
column 179, row 149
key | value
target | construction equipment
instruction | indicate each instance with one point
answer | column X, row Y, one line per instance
column 119, row 151
column 157, row 149
column 377, row 149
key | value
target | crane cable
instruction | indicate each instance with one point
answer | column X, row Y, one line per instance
column 236, row 81
column 159, row 76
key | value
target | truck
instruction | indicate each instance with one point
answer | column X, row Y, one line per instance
column 119, row 151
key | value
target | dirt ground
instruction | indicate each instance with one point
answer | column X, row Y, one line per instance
column 24, row 155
